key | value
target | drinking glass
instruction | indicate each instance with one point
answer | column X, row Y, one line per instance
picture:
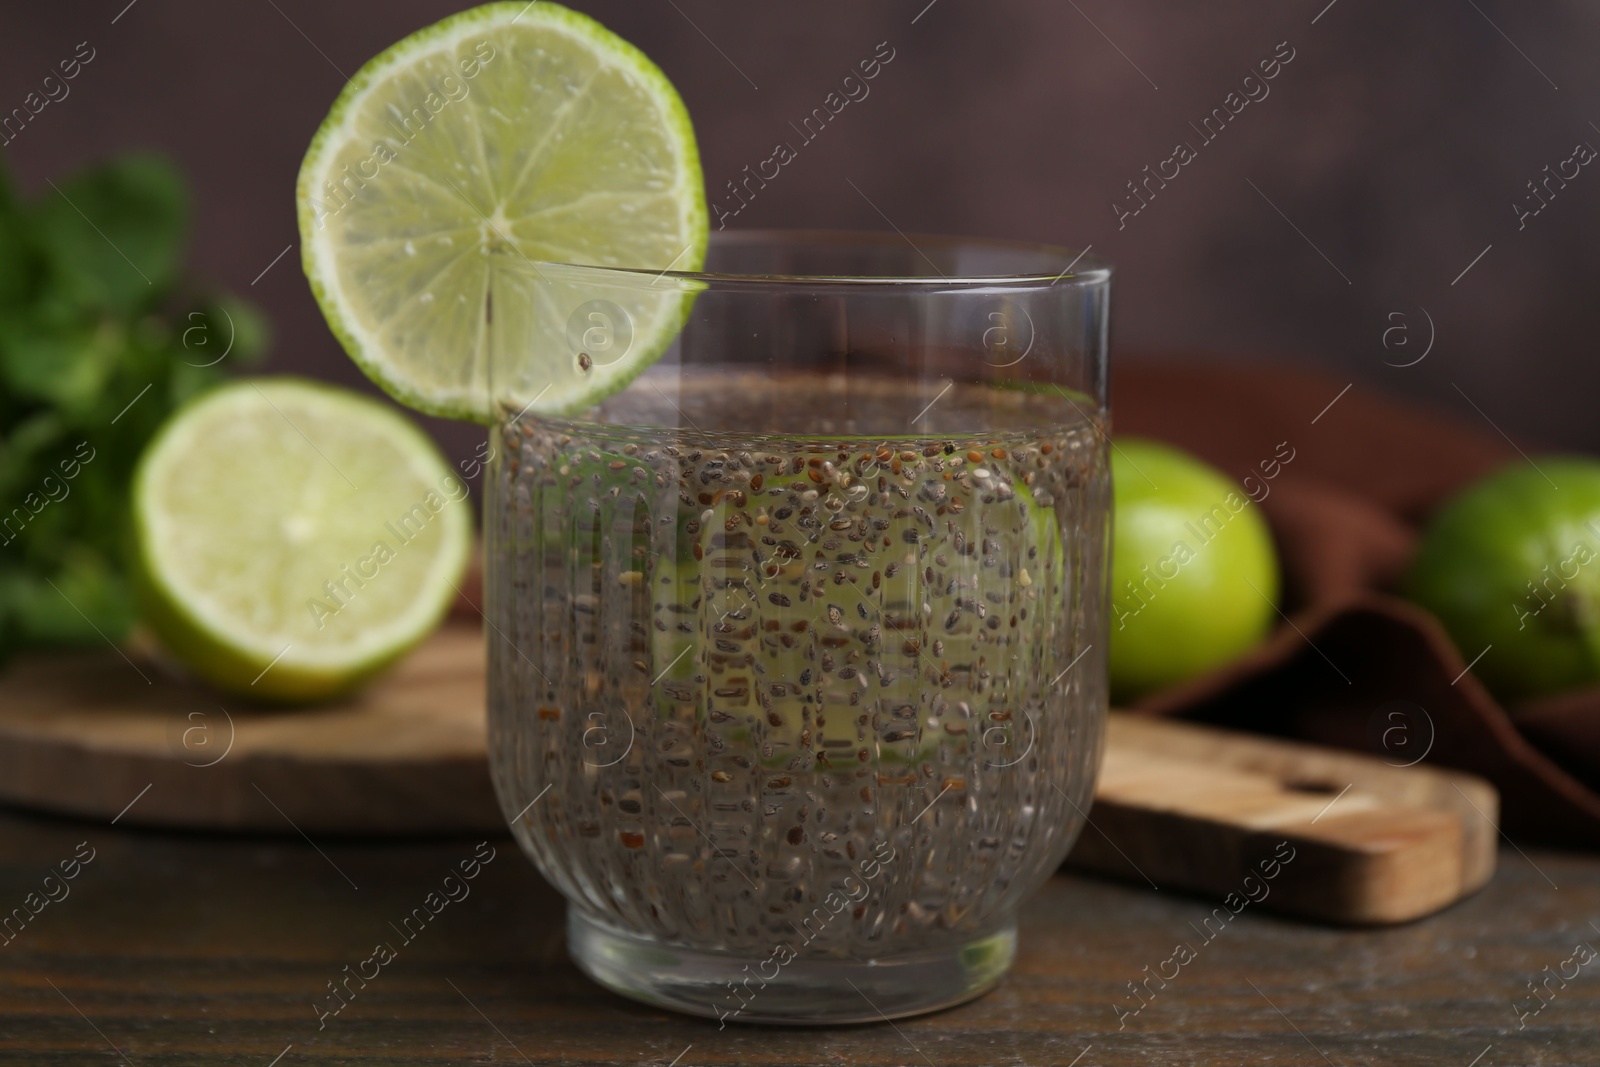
column 797, row 638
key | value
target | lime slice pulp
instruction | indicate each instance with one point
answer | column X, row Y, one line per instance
column 454, row 163
column 293, row 538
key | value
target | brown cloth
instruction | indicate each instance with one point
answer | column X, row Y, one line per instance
column 1346, row 512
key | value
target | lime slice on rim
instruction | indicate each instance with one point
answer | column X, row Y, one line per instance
column 460, row 159
column 294, row 538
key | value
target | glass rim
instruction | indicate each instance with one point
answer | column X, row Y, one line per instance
column 1097, row 271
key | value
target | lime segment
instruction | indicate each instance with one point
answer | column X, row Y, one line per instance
column 462, row 158
column 294, row 538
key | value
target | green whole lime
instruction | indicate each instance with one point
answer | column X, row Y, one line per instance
column 1512, row 565
column 1194, row 577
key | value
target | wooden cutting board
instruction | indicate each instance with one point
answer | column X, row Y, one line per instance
column 1180, row 807
column 1202, row 809
column 86, row 732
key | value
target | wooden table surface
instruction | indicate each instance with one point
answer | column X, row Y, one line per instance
column 178, row 949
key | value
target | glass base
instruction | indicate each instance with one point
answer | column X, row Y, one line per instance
column 803, row 992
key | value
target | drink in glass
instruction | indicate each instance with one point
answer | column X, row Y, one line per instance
column 797, row 642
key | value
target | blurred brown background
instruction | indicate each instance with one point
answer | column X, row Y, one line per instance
column 1392, row 148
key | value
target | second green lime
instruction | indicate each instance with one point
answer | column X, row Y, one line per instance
column 1194, row 575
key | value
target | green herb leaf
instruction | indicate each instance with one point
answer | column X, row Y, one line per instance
column 87, row 599
column 111, row 236
column 96, row 349
column 64, row 366
column 19, row 265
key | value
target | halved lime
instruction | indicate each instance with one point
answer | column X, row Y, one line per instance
column 458, row 160
column 294, row 538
